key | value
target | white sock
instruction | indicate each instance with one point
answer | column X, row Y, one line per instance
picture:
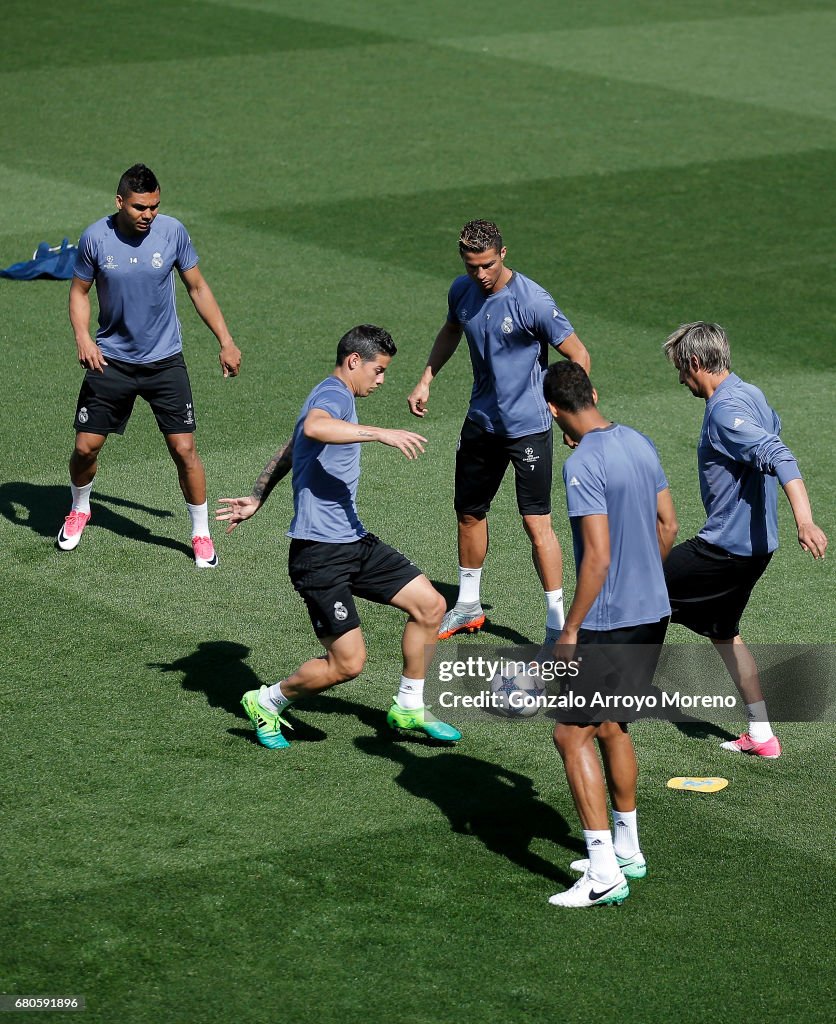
column 603, row 866
column 81, row 497
column 554, row 610
column 274, row 700
column 470, row 582
column 411, row 693
column 759, row 728
column 626, row 831
column 199, row 515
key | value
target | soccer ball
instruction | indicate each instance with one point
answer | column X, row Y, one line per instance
column 516, row 696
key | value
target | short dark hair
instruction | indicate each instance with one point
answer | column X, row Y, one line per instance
column 139, row 179
column 367, row 341
column 479, row 236
column 567, row 387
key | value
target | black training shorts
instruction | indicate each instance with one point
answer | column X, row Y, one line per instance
column 106, row 400
column 481, row 461
column 613, row 663
column 709, row 588
column 329, row 576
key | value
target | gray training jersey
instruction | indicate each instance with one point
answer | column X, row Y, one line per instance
column 616, row 472
column 134, row 278
column 508, row 334
column 741, row 460
column 325, row 476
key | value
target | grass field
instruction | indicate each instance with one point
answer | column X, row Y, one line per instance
column 649, row 163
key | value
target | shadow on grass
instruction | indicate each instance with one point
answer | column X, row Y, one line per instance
column 218, row 669
column 42, row 507
column 450, row 591
column 499, row 807
column 496, row 806
column 698, row 730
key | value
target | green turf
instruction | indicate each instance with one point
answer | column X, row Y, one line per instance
column 650, row 163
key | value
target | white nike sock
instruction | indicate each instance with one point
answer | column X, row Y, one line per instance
column 554, row 610
column 199, row 515
column 603, row 866
column 759, row 728
column 626, row 832
column 274, row 700
column 81, row 497
column 470, row 581
column 411, row 693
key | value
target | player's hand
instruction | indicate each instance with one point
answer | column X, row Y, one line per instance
column 411, row 444
column 570, row 442
column 419, row 400
column 236, row 510
column 567, row 642
column 812, row 539
column 90, row 355
column 230, row 359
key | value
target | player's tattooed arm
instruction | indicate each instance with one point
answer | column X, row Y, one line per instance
column 234, row 511
column 276, row 469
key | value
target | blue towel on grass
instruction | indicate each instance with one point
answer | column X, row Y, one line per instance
column 52, row 261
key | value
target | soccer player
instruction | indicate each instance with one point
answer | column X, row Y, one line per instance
column 332, row 557
column 509, row 322
column 740, row 462
column 623, row 526
column 131, row 256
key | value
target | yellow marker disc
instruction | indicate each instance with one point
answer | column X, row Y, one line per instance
column 698, row 785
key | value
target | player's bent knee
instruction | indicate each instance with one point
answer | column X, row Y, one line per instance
column 430, row 608
column 87, row 449
column 348, row 667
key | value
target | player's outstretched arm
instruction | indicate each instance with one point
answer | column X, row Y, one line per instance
column 406, row 441
column 445, row 345
column 321, row 426
column 89, row 354
column 237, row 510
column 811, row 537
column 210, row 313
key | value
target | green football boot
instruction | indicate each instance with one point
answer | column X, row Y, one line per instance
column 267, row 723
column 421, row 719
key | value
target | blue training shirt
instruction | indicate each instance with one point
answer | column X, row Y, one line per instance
column 508, row 334
column 134, row 278
column 616, row 472
column 740, row 460
column 325, row 476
